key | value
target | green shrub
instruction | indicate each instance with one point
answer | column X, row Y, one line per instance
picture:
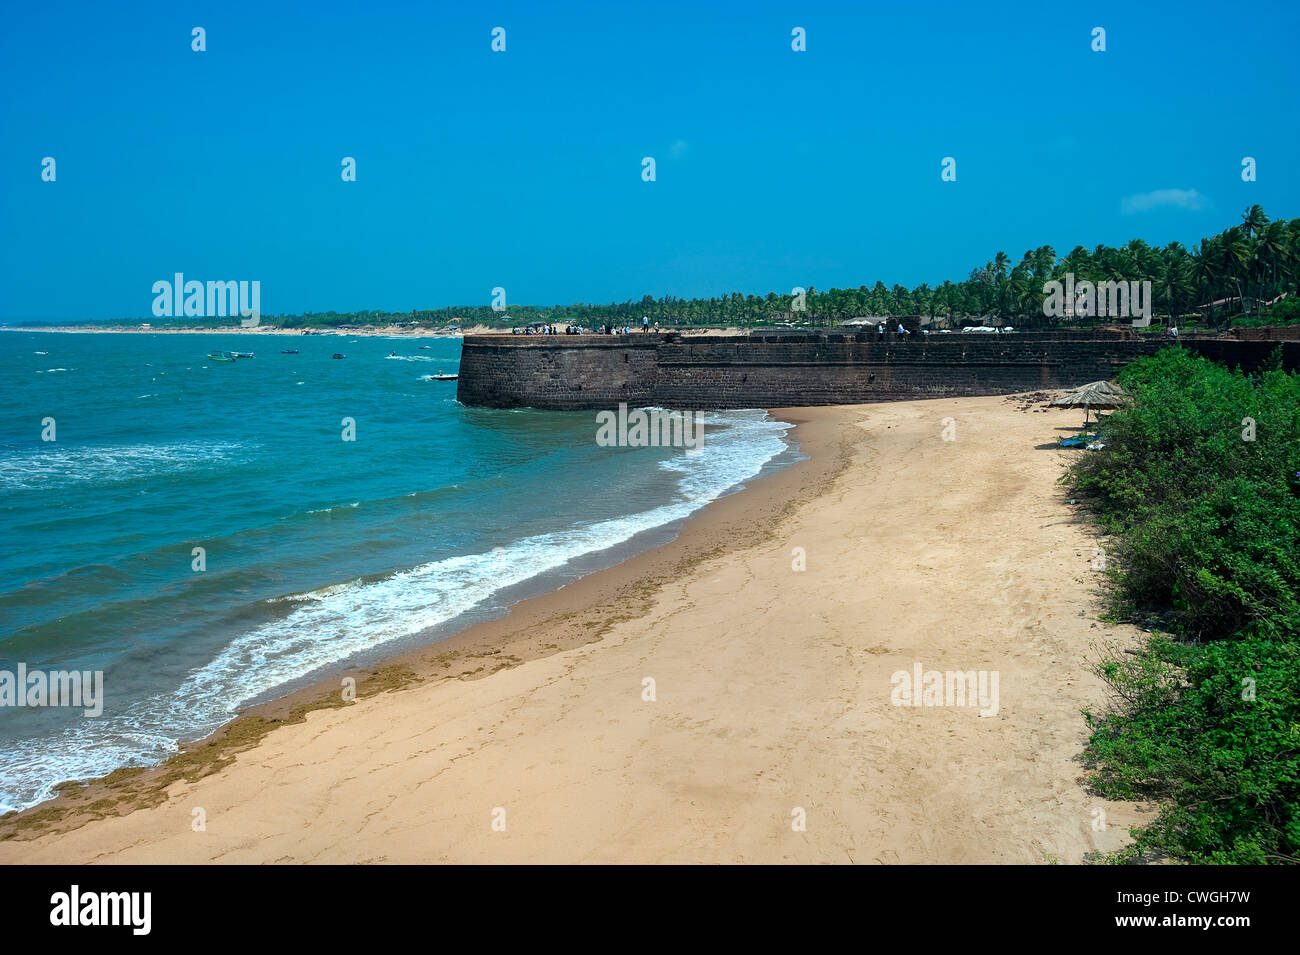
column 1207, row 530
column 1184, row 732
column 1207, row 522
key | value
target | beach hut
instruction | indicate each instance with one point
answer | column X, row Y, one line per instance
column 1096, row 394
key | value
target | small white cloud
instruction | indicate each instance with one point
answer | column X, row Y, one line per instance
column 679, row 148
column 1161, row 198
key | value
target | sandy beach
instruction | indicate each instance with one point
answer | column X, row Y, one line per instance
column 770, row 628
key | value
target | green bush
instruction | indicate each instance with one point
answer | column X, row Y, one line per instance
column 1207, row 530
column 1207, row 521
column 1211, row 731
column 1285, row 312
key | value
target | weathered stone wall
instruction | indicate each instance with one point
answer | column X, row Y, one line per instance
column 562, row 372
column 565, row 372
column 1289, row 333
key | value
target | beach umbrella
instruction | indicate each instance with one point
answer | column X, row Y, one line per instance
column 1095, row 394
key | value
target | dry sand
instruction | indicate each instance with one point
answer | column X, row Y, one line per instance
column 773, row 688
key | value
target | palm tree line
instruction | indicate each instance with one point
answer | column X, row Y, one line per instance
column 1225, row 277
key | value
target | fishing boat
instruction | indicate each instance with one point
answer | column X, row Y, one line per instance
column 337, row 355
column 242, row 354
column 221, row 356
column 288, row 351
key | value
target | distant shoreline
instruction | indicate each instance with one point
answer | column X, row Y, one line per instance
column 384, row 331
column 376, row 331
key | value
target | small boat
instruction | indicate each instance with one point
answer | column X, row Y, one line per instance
column 41, row 353
column 424, row 346
column 337, row 355
column 221, row 356
column 441, row 377
column 242, row 354
column 288, row 351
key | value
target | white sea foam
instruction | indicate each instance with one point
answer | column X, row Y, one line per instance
column 57, row 466
column 339, row 621
column 326, row 510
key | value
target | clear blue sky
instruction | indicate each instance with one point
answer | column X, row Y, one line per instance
column 523, row 169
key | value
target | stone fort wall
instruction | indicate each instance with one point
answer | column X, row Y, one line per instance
column 577, row 372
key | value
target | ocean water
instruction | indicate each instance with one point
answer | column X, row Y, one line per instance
column 321, row 554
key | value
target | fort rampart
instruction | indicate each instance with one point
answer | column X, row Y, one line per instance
column 574, row 372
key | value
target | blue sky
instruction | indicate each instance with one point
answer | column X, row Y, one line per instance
column 522, row 169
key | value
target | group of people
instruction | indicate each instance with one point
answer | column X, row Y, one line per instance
column 602, row 330
column 901, row 330
column 606, row 329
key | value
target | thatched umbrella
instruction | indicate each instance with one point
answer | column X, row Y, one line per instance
column 1096, row 394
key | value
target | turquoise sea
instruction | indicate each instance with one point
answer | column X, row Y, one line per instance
column 320, row 553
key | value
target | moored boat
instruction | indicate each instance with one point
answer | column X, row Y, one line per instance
column 221, row 356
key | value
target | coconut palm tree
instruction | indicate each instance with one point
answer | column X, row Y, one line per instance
column 1253, row 219
column 1001, row 262
column 1176, row 285
column 1234, row 254
column 1019, row 291
column 1205, row 272
column 1273, row 245
column 950, row 301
